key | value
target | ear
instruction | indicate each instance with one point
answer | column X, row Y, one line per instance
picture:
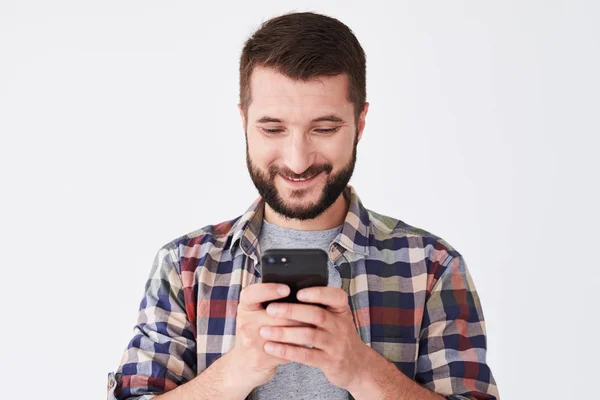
column 361, row 120
column 241, row 110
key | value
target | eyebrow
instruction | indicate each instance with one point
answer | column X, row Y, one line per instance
column 325, row 118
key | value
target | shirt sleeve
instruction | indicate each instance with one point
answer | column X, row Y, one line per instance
column 162, row 353
column 452, row 351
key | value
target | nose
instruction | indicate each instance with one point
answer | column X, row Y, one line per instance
column 299, row 153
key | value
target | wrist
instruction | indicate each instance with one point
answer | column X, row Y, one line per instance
column 240, row 374
column 363, row 382
column 233, row 370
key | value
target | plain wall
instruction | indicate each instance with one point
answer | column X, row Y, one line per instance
column 120, row 132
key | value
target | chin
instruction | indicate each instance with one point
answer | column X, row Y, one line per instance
column 311, row 195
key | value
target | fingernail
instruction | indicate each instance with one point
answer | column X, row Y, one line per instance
column 283, row 290
column 302, row 295
column 269, row 347
column 272, row 309
column 264, row 331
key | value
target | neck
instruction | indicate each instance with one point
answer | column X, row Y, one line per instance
column 332, row 217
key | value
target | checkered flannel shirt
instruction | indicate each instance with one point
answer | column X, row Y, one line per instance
column 411, row 295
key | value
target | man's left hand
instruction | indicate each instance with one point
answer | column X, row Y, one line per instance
column 337, row 349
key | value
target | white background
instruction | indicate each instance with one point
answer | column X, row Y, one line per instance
column 119, row 132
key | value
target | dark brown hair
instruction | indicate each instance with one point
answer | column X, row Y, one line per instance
column 304, row 46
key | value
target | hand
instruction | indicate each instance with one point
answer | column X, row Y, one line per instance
column 248, row 356
column 337, row 349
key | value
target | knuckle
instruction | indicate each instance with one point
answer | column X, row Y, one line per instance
column 244, row 328
column 245, row 341
column 309, row 335
column 244, row 336
column 286, row 309
column 277, row 333
column 322, row 341
column 320, row 316
column 283, row 351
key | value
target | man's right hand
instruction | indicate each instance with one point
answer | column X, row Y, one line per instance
column 247, row 365
column 248, row 355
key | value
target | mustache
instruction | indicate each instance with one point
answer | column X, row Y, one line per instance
column 313, row 170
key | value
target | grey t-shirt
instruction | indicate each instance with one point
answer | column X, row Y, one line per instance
column 295, row 380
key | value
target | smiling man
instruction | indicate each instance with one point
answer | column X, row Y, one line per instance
column 402, row 318
column 302, row 160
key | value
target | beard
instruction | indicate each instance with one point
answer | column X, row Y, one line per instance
column 334, row 186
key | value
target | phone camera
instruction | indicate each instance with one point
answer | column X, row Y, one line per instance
column 271, row 260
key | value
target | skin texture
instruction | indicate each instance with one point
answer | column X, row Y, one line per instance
column 298, row 147
column 337, row 349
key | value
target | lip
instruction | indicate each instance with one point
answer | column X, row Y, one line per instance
column 301, row 184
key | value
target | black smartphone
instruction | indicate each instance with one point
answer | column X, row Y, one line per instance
column 297, row 268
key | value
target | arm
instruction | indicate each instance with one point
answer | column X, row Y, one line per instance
column 219, row 381
column 162, row 353
column 247, row 365
column 161, row 358
column 452, row 350
column 382, row 380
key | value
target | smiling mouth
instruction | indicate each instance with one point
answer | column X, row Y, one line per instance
column 300, row 181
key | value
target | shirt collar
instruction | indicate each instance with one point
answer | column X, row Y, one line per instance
column 353, row 237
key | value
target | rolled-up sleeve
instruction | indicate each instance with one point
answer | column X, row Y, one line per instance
column 453, row 346
column 162, row 353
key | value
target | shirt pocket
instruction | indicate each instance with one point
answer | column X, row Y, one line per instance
column 401, row 351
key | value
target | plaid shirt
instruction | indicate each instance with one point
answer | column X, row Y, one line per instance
column 411, row 295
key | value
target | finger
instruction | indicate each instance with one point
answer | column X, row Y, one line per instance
column 334, row 298
column 268, row 320
column 300, row 354
column 260, row 318
column 309, row 314
column 296, row 335
column 252, row 296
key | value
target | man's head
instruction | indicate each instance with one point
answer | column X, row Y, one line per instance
column 303, row 107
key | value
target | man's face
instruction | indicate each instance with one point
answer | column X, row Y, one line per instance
column 297, row 130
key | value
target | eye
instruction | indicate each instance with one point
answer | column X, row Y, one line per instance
column 328, row 131
column 270, row 131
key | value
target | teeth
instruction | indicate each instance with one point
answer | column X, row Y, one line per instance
column 299, row 180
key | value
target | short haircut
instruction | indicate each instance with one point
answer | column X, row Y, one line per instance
column 304, row 46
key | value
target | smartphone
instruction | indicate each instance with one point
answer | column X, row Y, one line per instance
column 297, row 268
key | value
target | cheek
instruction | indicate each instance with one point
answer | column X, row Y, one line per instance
column 337, row 152
column 262, row 152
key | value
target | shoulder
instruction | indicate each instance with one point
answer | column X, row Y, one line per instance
column 195, row 244
column 422, row 249
column 387, row 228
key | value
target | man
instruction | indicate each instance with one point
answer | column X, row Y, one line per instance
column 402, row 319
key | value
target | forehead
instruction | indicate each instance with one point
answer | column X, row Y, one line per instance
column 273, row 92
